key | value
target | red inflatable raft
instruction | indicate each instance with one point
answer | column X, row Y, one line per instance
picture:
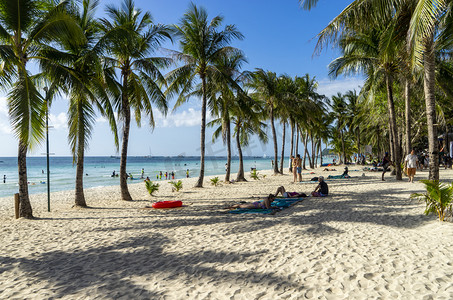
column 167, row 204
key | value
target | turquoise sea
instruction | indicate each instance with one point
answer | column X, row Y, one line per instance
column 98, row 170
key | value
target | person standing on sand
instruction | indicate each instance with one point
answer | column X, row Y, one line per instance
column 299, row 167
column 294, row 167
column 385, row 164
column 411, row 164
column 4, row 178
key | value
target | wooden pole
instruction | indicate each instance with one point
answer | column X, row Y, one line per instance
column 16, row 205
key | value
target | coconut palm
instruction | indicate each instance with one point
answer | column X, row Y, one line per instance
column 130, row 37
column 247, row 118
column 430, row 19
column 375, row 52
column 266, row 87
column 202, row 45
column 25, row 27
column 79, row 73
column 222, row 97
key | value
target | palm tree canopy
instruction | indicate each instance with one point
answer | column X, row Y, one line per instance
column 202, row 44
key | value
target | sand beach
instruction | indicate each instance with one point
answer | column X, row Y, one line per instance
column 367, row 240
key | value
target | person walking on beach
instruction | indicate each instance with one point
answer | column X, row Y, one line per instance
column 411, row 164
column 385, row 164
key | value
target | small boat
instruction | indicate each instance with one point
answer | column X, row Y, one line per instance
column 167, row 204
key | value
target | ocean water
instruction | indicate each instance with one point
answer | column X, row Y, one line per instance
column 98, row 170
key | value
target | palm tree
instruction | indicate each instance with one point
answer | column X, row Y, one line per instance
column 375, row 52
column 265, row 84
column 430, row 19
column 339, row 110
column 246, row 117
column 79, row 73
column 223, row 95
column 130, row 37
column 202, row 45
column 25, row 27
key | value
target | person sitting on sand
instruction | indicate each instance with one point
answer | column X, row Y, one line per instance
column 345, row 173
column 286, row 194
column 265, row 204
column 322, row 189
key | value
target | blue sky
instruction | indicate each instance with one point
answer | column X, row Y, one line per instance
column 279, row 36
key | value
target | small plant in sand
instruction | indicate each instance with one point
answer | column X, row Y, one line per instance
column 177, row 185
column 151, row 187
column 438, row 198
column 215, row 181
column 254, row 174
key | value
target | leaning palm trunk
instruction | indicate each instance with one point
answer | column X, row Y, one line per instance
column 240, row 176
column 203, row 133
column 292, row 146
column 25, row 210
column 305, row 141
column 274, row 135
column 392, row 121
column 228, row 140
column 125, row 195
column 407, row 101
column 342, row 146
column 283, row 148
column 430, row 101
column 313, row 153
column 79, row 195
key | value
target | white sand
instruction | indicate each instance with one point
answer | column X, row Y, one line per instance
column 367, row 240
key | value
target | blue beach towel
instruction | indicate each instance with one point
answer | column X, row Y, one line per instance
column 277, row 205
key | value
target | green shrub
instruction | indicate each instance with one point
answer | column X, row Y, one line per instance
column 151, row 187
column 215, row 181
column 438, row 198
column 177, row 185
column 254, row 174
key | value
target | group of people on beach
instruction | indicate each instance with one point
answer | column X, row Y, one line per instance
column 296, row 168
column 321, row 190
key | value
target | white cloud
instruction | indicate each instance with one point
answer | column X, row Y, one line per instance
column 186, row 118
column 59, row 121
column 5, row 126
column 332, row 87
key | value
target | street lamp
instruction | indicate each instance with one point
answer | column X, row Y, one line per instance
column 47, row 149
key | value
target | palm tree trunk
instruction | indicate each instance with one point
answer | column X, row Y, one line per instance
column 79, row 195
column 25, row 210
column 430, row 102
column 125, row 195
column 292, row 146
column 342, row 146
column 203, row 133
column 313, row 152
column 274, row 135
column 283, row 148
column 305, row 141
column 240, row 176
column 408, row 115
column 393, row 129
column 297, row 140
column 228, row 141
